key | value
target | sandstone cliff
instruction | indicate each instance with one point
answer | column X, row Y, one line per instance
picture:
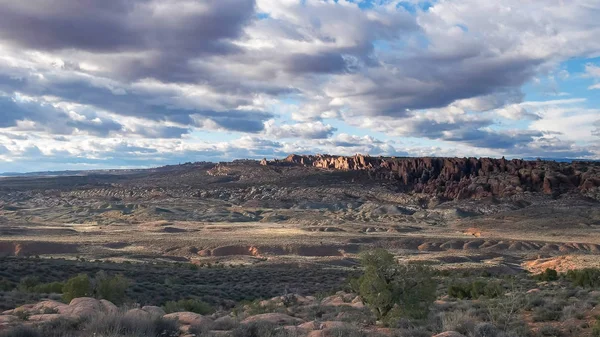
column 459, row 178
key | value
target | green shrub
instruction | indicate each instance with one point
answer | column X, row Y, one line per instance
column 111, row 288
column 393, row 291
column 596, row 329
column 459, row 290
column 27, row 283
column 48, row 288
column 192, row 305
column 6, row 285
column 547, row 275
column 78, row 286
column 543, row 314
column 587, row 278
column 550, row 331
column 475, row 289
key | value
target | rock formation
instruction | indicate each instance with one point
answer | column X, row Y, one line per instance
column 461, row 178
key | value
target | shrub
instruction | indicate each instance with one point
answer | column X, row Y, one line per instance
column 543, row 314
column 596, row 329
column 78, row 286
column 550, row 331
column 116, row 324
column 21, row 331
column 587, row 278
column 48, row 288
column 547, row 275
column 346, row 331
column 260, row 329
column 576, row 311
column 6, row 285
column 475, row 289
column 393, row 291
column 111, row 288
column 27, row 283
column 192, row 305
column 485, row 330
column 459, row 321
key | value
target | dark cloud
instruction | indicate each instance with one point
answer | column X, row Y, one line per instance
column 180, row 26
column 136, row 103
column 493, row 140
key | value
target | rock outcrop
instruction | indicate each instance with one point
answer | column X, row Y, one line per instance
column 461, row 178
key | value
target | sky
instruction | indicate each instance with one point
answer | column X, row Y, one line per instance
column 96, row 84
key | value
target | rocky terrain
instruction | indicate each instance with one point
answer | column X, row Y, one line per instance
column 301, row 213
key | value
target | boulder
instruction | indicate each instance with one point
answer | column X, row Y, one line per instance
column 332, row 325
column 48, row 306
column 138, row 314
column 44, row 317
column 357, row 303
column 109, row 307
column 154, row 311
column 275, row 318
column 309, row 326
column 8, row 319
column 83, row 306
column 224, row 323
column 335, row 300
column 189, row 318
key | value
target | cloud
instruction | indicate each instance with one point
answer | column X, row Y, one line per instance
column 221, row 78
column 309, row 130
column 121, row 25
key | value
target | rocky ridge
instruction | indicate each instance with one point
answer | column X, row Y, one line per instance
column 463, row 178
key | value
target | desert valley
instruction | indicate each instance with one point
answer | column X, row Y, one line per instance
column 248, row 231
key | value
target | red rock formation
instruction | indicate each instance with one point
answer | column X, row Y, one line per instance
column 465, row 177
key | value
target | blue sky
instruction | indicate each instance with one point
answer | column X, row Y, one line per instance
column 147, row 83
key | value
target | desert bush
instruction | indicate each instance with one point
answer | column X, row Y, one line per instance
column 596, row 328
column 117, row 325
column 576, row 311
column 347, row 331
column 550, row 331
column 78, row 286
column 393, row 291
column 111, row 288
column 544, row 314
column 504, row 312
column 475, row 289
column 260, row 329
column 485, row 329
column 547, row 275
column 191, row 305
column 587, row 278
column 48, row 288
column 27, row 283
column 6, row 285
column 459, row 321
column 534, row 301
column 62, row 327
column 21, row 331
